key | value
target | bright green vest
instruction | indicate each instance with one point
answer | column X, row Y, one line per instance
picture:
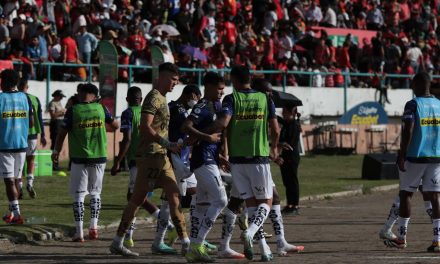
column 247, row 134
column 88, row 139
column 36, row 129
column 135, row 122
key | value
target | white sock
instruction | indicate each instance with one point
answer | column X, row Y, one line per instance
column 259, row 236
column 428, row 208
column 30, row 179
column 436, row 230
column 258, row 217
column 131, row 229
column 156, row 214
column 403, row 227
column 14, row 207
column 393, row 215
column 208, row 221
column 196, row 221
column 78, row 214
column 277, row 224
column 20, row 183
column 162, row 223
column 95, row 208
column 228, row 226
column 119, row 241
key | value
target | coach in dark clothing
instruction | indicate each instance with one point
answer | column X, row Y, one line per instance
column 289, row 161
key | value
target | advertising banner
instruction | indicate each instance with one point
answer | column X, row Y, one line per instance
column 367, row 113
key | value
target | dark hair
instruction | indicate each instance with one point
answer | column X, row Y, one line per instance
column 262, row 85
column 212, row 78
column 242, row 74
column 289, row 105
column 192, row 89
column 9, row 78
column 133, row 91
column 89, row 88
column 169, row 67
column 422, row 78
column 22, row 83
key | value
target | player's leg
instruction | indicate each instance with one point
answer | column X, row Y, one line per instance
column 255, row 185
column 431, row 190
column 96, row 175
column 30, row 159
column 11, row 165
column 289, row 173
column 386, row 232
column 147, row 175
column 78, row 190
column 167, row 181
column 229, row 217
column 209, row 181
column 409, row 182
column 283, row 247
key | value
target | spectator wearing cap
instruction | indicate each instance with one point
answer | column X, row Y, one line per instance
column 4, row 36
column 56, row 111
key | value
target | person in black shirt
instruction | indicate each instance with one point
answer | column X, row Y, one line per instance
column 289, row 159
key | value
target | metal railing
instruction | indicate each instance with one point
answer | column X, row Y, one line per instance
column 49, row 66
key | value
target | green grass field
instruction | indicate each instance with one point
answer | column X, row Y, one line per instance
column 318, row 175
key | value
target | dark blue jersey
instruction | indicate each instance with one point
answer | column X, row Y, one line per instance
column 203, row 116
column 178, row 115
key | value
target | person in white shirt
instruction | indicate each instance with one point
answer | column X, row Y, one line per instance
column 270, row 17
column 329, row 17
column 415, row 56
column 285, row 46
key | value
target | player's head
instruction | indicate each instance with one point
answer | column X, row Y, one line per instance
column 190, row 95
column 23, row 85
column 421, row 83
column 240, row 76
column 168, row 77
column 262, row 85
column 214, row 86
column 134, row 96
column 289, row 111
column 9, row 79
column 88, row 93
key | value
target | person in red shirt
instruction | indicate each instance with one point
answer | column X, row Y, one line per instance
column 25, row 70
column 136, row 41
column 230, row 35
column 69, row 48
column 322, row 52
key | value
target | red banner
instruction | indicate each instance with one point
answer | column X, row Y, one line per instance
column 6, row 64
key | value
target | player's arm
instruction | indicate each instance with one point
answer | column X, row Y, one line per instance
column 407, row 132
column 40, row 119
column 126, row 130
column 109, row 119
column 274, row 129
column 62, row 133
column 223, row 121
column 188, row 128
column 147, row 130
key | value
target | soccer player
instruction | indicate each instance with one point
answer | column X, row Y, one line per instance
column 154, row 167
column 186, row 181
column 387, row 230
column 211, row 195
column 85, row 124
column 130, row 121
column 418, row 158
column 247, row 114
column 38, row 128
column 15, row 121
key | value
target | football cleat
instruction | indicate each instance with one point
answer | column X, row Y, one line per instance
column 387, row 234
column 31, row 191
column 230, row 254
column 13, row 220
column 397, row 243
column 198, row 253
column 435, row 247
column 248, row 246
column 288, row 248
column 93, row 234
column 123, row 251
column 128, row 242
column 162, row 249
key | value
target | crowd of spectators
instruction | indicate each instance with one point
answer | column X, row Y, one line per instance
column 263, row 34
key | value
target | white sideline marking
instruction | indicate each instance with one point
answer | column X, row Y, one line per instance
column 404, row 257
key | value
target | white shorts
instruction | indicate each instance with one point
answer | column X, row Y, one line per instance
column 252, row 180
column 191, row 181
column 86, row 179
column 132, row 178
column 11, row 164
column 426, row 173
column 234, row 192
column 209, row 184
column 32, row 147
